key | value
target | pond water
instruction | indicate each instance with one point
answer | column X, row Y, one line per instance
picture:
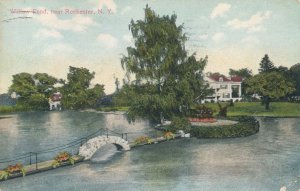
column 266, row 161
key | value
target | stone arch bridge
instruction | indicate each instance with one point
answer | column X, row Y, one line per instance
column 88, row 149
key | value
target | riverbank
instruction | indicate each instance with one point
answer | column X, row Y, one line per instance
column 4, row 109
column 277, row 109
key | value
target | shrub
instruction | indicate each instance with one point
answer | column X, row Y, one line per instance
column 4, row 175
column 169, row 135
column 143, row 140
column 179, row 123
column 201, row 111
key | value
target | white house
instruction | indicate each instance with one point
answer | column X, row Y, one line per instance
column 55, row 101
column 225, row 88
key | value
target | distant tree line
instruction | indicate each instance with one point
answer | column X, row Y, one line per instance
column 33, row 91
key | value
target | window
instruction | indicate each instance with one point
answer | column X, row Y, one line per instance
column 223, row 86
column 226, row 95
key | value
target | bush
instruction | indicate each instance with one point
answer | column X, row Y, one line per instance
column 201, row 111
column 246, row 126
column 179, row 123
column 4, row 175
column 169, row 135
column 143, row 140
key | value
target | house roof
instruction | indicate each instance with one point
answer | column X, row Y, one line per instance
column 236, row 79
column 56, row 97
column 216, row 77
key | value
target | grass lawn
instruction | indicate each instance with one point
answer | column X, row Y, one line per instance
column 277, row 109
column 108, row 109
column 11, row 109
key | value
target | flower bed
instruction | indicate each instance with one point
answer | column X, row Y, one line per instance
column 143, row 140
column 62, row 158
column 202, row 120
column 12, row 170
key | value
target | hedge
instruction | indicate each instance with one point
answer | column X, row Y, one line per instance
column 246, row 126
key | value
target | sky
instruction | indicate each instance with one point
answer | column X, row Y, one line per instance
column 232, row 33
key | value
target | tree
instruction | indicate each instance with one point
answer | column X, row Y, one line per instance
column 77, row 93
column 166, row 79
column 33, row 90
column 272, row 85
column 266, row 65
column 45, row 83
column 243, row 72
column 294, row 74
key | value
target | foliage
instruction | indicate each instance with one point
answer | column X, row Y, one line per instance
column 169, row 135
column 33, row 90
column 61, row 158
column 266, row 65
column 179, row 123
column 223, row 109
column 10, row 109
column 271, row 85
column 244, row 73
column 4, row 175
column 143, row 140
column 201, row 111
column 167, row 81
column 246, row 126
column 77, row 93
column 294, row 73
column 17, row 168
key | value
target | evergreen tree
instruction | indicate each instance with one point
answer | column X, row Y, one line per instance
column 266, row 65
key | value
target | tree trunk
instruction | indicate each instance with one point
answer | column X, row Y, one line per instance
column 267, row 103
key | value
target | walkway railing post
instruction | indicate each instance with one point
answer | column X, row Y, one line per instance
column 107, row 132
column 30, row 159
column 36, row 161
column 126, row 136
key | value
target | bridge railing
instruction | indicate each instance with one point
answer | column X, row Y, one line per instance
column 36, row 157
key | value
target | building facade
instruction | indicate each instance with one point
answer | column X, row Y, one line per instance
column 225, row 88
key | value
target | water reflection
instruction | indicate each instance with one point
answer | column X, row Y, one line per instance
column 262, row 162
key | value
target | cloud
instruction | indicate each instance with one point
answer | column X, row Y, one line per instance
column 107, row 40
column 253, row 24
column 203, row 36
column 109, row 4
column 250, row 40
column 217, row 37
column 48, row 33
column 125, row 10
column 220, row 10
column 61, row 48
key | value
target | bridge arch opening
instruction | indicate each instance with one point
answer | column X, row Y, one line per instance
column 88, row 149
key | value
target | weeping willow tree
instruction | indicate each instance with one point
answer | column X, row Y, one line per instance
column 167, row 80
